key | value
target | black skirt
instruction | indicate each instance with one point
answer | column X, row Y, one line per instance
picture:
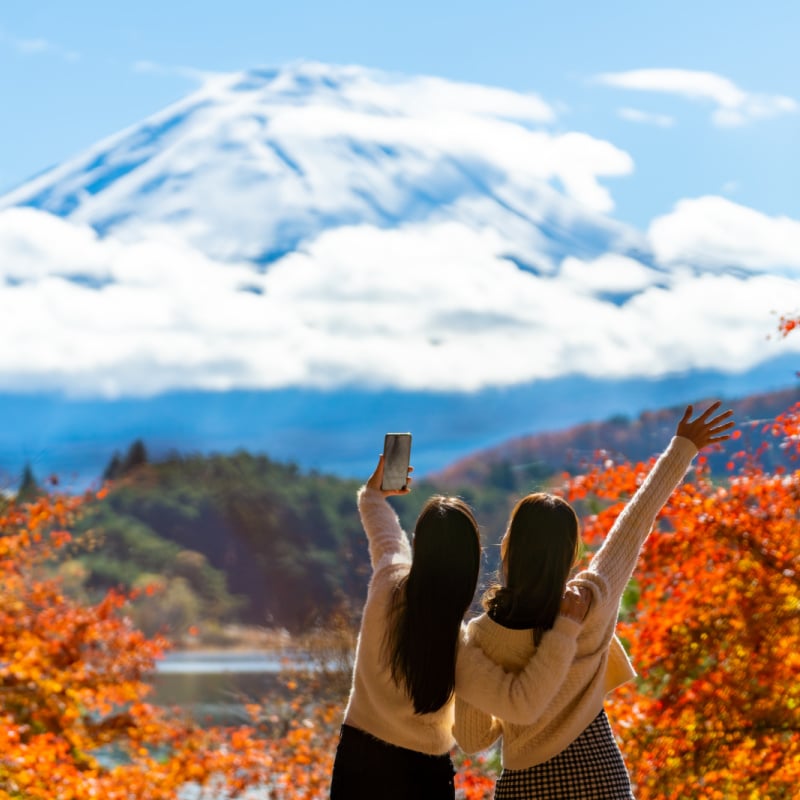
column 591, row 768
column 366, row 768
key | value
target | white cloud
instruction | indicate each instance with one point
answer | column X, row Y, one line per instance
column 734, row 106
column 730, row 187
column 40, row 46
column 34, row 245
column 32, row 45
column 191, row 73
column 716, row 233
column 427, row 95
column 434, row 305
column 610, row 273
column 646, row 117
column 460, row 130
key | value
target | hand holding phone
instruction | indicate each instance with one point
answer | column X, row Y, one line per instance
column 396, row 460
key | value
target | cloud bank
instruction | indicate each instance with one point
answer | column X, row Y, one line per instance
column 434, row 305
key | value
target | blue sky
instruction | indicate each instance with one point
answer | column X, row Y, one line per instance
column 72, row 73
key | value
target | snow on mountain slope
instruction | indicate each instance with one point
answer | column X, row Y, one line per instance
column 332, row 227
column 253, row 165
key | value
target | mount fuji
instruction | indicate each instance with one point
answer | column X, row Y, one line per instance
column 296, row 260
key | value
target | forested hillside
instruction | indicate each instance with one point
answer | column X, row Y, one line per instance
column 235, row 538
column 515, row 463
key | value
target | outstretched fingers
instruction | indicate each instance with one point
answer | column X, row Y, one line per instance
column 707, row 428
column 719, row 425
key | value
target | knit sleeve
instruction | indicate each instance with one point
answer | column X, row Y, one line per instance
column 386, row 539
column 474, row 730
column 616, row 559
column 517, row 697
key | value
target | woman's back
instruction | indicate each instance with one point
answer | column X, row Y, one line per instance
column 397, row 734
column 600, row 662
column 378, row 704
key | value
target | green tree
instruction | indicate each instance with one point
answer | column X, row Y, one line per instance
column 29, row 488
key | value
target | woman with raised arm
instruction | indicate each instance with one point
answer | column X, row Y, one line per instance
column 397, row 734
column 567, row 748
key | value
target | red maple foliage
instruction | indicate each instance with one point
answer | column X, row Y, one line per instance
column 715, row 631
column 74, row 718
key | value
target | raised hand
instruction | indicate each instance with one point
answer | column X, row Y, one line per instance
column 706, row 429
column 376, row 479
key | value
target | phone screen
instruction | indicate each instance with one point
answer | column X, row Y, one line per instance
column 396, row 458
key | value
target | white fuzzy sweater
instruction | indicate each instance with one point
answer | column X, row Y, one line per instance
column 536, row 734
column 380, row 707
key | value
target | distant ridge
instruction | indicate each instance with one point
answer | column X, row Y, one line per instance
column 622, row 438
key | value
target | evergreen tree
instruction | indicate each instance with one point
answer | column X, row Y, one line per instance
column 114, row 468
column 29, row 489
column 136, row 457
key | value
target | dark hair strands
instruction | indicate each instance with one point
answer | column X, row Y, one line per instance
column 428, row 607
column 539, row 549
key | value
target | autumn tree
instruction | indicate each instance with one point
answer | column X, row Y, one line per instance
column 713, row 627
column 74, row 718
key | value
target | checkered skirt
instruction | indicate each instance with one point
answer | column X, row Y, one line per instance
column 591, row 768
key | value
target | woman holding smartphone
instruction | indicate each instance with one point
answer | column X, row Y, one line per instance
column 397, row 734
column 568, row 749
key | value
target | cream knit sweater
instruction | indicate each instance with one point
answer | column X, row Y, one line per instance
column 380, row 707
column 533, row 735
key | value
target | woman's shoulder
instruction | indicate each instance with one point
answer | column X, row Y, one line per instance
column 505, row 646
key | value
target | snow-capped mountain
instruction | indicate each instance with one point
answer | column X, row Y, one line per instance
column 254, row 166
column 404, row 248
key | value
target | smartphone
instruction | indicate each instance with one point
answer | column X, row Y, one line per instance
column 396, row 458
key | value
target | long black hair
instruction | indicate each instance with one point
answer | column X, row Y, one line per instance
column 429, row 605
column 540, row 547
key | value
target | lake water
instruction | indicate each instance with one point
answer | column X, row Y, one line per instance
column 233, row 662
column 216, row 686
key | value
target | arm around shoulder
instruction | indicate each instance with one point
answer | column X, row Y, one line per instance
column 522, row 697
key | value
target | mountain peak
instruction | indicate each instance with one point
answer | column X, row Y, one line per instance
column 311, row 147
